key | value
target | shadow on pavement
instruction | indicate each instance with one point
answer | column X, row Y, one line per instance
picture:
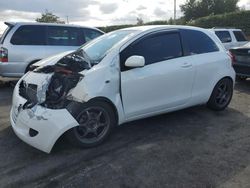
column 243, row 86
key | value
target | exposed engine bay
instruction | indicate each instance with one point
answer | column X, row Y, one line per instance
column 64, row 76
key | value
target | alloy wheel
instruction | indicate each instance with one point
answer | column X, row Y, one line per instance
column 93, row 124
column 223, row 94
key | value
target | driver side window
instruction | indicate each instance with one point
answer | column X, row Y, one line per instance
column 154, row 48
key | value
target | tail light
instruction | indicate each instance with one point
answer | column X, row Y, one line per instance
column 232, row 56
column 3, row 55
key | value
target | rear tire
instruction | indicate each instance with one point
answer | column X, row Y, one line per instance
column 221, row 95
column 96, row 120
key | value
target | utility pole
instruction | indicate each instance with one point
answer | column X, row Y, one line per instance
column 174, row 11
column 67, row 19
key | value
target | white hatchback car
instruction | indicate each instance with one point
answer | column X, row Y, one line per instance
column 121, row 76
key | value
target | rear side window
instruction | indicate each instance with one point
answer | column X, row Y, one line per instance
column 155, row 48
column 239, row 35
column 224, row 36
column 91, row 34
column 63, row 36
column 197, row 42
column 29, row 35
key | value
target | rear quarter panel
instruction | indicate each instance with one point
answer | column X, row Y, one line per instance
column 210, row 68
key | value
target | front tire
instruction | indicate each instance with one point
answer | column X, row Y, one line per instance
column 221, row 95
column 96, row 120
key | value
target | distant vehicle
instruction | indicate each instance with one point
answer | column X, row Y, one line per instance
column 231, row 38
column 122, row 76
column 241, row 57
column 23, row 44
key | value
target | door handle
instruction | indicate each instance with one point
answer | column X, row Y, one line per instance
column 186, row 65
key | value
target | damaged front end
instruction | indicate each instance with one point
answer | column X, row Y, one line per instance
column 39, row 115
column 60, row 78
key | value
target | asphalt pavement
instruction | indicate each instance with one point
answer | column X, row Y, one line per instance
column 191, row 148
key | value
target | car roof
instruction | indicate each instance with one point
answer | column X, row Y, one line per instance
column 226, row 29
column 49, row 24
column 163, row 27
column 140, row 30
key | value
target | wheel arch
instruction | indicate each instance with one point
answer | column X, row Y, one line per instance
column 108, row 101
column 74, row 107
column 227, row 77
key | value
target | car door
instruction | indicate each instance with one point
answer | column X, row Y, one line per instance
column 207, row 59
column 61, row 39
column 164, row 82
column 27, row 44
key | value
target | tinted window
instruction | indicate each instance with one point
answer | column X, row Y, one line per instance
column 224, row 36
column 63, row 36
column 239, row 36
column 197, row 42
column 91, row 34
column 154, row 49
column 29, row 35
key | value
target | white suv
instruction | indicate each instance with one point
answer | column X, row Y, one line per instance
column 121, row 76
column 24, row 43
column 231, row 38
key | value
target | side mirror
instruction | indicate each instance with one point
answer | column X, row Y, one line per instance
column 135, row 61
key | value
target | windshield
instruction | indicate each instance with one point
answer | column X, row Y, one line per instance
column 98, row 48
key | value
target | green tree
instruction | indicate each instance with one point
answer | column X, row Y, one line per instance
column 139, row 21
column 189, row 9
column 194, row 9
column 49, row 17
column 171, row 21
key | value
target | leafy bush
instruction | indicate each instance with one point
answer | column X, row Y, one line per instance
column 240, row 19
column 114, row 27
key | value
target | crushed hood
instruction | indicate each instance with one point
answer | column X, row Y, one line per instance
column 52, row 60
column 49, row 83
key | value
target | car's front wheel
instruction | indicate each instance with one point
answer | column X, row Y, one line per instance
column 221, row 95
column 96, row 120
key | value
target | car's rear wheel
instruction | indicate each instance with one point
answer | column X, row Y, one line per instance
column 221, row 95
column 96, row 120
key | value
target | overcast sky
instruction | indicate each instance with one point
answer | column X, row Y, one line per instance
column 92, row 12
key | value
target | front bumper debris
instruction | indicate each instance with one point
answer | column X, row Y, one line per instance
column 49, row 124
